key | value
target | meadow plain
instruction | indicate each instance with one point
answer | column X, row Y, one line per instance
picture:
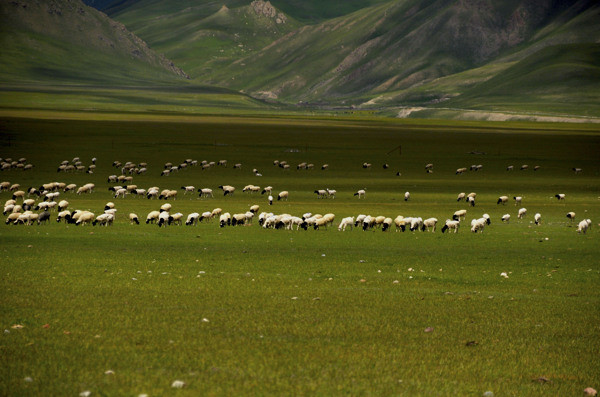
column 129, row 309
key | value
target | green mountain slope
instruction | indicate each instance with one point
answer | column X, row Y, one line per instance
column 66, row 41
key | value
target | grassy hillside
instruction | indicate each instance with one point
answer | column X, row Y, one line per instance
column 68, row 42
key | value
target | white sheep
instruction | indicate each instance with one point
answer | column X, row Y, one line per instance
column 522, row 212
column 348, row 221
column 187, row 189
column 406, row 196
column 571, row 216
column 461, row 196
column 361, row 193
column 163, row 218
column 84, row 217
column 461, row 170
column 166, row 207
column 206, row 215
column 560, row 196
column 451, row 224
column 152, row 217
column 429, row 223
column 415, row 223
column 283, row 195
column 175, row 218
column 477, row 225
column 192, row 219
column 537, row 218
column 66, row 215
column 387, row 223
column 121, row 192
column 400, row 223
column 502, row 200
column 103, row 220
column 359, row 220
column 12, row 217
column 471, row 201
column 268, row 189
column 216, row 211
column 205, row 192
column 518, row 200
column 331, row 192
column 225, row 219
column 584, row 226
column 133, row 218
column 227, row 189
column 459, row 215
column 506, row 218
column 270, row 198
column 321, row 193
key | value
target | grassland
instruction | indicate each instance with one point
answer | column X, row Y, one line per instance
column 128, row 309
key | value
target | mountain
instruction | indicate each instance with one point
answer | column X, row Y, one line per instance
column 65, row 41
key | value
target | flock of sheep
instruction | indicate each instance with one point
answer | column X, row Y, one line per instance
column 21, row 207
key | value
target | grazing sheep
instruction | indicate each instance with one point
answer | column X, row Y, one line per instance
column 537, row 218
column 348, row 221
column 584, row 225
column 361, row 193
column 4, row 186
column 325, row 221
column 429, row 223
column 85, row 217
column 537, row 167
column 366, row 165
column 331, row 193
column 283, row 195
column 216, row 212
column 460, row 171
column 359, row 220
column 103, row 220
column 571, row 216
column 400, row 223
column 175, row 218
column 577, row 170
column 387, row 223
column 406, row 196
column 168, row 194
column 461, row 196
column 368, row 222
column 471, row 201
column 166, row 207
column 560, row 196
column 121, row 192
column 12, row 217
column 325, row 166
column 522, row 212
column 192, row 219
column 502, row 200
column 459, row 215
column 415, row 223
column 163, row 218
column 270, row 198
column 227, row 189
column 321, row 193
column 205, row 192
column 206, row 215
column 251, row 188
column 510, row 168
column 19, row 194
column 187, row 189
column 133, row 218
column 524, row 167
column 268, row 189
column 506, row 218
column 225, row 219
column 62, row 205
column 477, row 225
column 518, row 200
column 451, row 224
column 152, row 217
column 428, row 167
column 66, row 215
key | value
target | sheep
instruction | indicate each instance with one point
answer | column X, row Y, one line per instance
column 225, row 219
column 537, row 167
column 415, row 223
column 112, row 211
column 359, row 220
column 87, row 188
column 46, row 205
column 283, row 195
column 12, row 217
column 23, row 218
column 451, row 224
column 166, row 207
column 460, row 214
column 518, row 200
column 270, row 198
column 560, row 196
column 368, row 222
column 477, row 225
column 321, row 193
column 571, row 216
column 348, row 221
column 133, row 218
column 255, row 208
column 227, row 189
column 251, row 188
column 406, row 196
column 222, row 163
column 163, row 218
column 103, row 220
column 205, row 192
column 14, row 187
column 487, row 218
column 460, row 171
column 471, row 201
column 331, row 192
column 208, row 215
column 268, row 189
column 19, row 194
column 428, row 167
column 325, row 167
column 175, row 218
column 506, row 218
column 84, row 217
column 361, row 193
column 325, row 221
column 429, row 223
column 152, row 217
column 502, row 200
column 584, row 226
column 461, row 196
column 577, row 170
column 66, row 215
column 524, row 167
column 192, row 219
column 387, row 223
column 522, row 212
column 237, row 166
column 400, row 223
column 366, row 165
column 537, row 218
column 120, row 192
column 167, row 194
column 4, row 185
column 216, row 212
column 187, row 189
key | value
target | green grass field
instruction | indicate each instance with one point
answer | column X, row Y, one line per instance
column 129, row 309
